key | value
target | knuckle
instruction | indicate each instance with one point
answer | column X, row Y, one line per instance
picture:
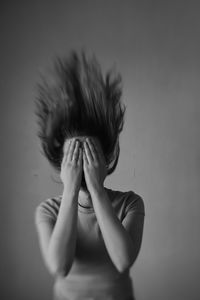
column 96, row 163
column 69, row 164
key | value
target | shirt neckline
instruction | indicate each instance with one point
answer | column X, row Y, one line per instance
column 87, row 210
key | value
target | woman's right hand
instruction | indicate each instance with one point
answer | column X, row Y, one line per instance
column 72, row 166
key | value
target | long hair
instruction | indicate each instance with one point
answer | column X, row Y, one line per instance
column 78, row 100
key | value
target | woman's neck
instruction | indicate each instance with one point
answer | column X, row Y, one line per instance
column 84, row 198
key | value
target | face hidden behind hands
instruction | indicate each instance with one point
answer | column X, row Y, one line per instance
column 81, row 140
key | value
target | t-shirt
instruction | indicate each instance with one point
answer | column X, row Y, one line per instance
column 93, row 275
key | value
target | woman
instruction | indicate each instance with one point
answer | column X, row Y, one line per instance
column 89, row 235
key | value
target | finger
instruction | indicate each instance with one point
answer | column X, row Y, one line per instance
column 76, row 151
column 66, row 152
column 94, row 149
column 85, row 159
column 91, row 148
column 88, row 152
column 71, row 150
column 80, row 156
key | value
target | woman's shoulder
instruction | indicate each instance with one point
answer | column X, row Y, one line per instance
column 47, row 209
column 135, row 203
column 120, row 193
column 130, row 200
column 50, row 202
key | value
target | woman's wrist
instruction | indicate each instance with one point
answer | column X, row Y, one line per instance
column 70, row 192
column 98, row 193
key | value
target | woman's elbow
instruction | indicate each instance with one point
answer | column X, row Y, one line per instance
column 57, row 270
column 127, row 262
column 123, row 267
column 57, row 267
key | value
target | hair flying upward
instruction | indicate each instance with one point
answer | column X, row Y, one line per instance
column 79, row 101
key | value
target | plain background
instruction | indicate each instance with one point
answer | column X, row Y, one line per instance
column 156, row 47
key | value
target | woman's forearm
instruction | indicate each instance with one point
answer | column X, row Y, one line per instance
column 62, row 244
column 116, row 238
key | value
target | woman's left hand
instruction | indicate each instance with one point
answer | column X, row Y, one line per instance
column 94, row 165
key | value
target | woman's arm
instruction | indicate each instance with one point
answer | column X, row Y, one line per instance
column 121, row 240
column 58, row 243
column 62, row 244
column 122, row 247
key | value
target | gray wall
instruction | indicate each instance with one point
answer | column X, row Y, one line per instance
column 156, row 46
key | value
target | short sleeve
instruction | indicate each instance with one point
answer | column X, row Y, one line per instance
column 46, row 211
column 134, row 204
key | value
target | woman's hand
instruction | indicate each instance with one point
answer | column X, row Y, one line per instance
column 94, row 165
column 72, row 166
